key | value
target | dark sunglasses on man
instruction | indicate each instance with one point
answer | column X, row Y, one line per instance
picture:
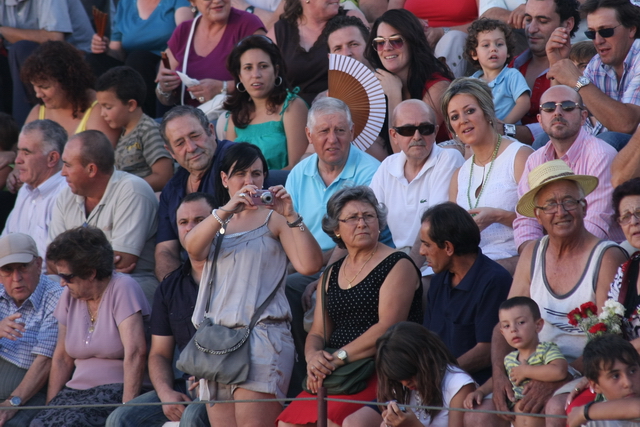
column 550, row 107
column 605, row 33
column 424, row 129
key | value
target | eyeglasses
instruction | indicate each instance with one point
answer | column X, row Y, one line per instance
column 626, row 218
column 7, row 270
column 355, row 220
column 66, row 277
column 604, row 32
column 410, row 130
column 550, row 107
column 567, row 204
column 396, row 42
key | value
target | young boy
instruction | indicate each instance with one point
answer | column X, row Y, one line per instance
column 140, row 149
column 520, row 323
column 612, row 366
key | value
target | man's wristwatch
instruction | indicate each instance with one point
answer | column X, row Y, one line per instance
column 582, row 82
column 509, row 130
column 14, row 401
column 342, row 355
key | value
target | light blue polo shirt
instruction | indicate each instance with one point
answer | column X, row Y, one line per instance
column 310, row 195
column 506, row 88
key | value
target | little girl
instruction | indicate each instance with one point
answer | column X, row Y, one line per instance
column 415, row 368
column 490, row 46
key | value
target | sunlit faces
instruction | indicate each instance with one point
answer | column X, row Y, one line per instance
column 257, row 73
column 32, row 164
column 439, row 259
column 21, row 279
column 416, row 146
column 612, row 50
column 519, row 328
column 236, row 179
column 189, row 215
column 50, row 93
column 80, row 289
column 394, row 60
column 561, row 124
column 541, row 19
column 628, row 207
column 76, row 174
column 492, row 50
column 467, row 119
column 113, row 110
column 561, row 223
column 189, row 143
column 323, row 9
column 362, row 233
column 619, row 381
column 213, row 10
column 347, row 41
column 331, row 137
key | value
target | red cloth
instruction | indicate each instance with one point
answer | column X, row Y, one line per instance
column 443, row 132
column 444, row 13
column 306, row 411
column 582, row 399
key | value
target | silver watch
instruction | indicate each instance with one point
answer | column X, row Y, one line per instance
column 15, row 401
column 342, row 355
column 509, row 130
column 582, row 82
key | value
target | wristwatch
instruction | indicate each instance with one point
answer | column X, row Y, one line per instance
column 342, row 355
column 14, row 401
column 582, row 82
column 509, row 130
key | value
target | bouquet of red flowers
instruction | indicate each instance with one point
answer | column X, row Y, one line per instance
column 608, row 321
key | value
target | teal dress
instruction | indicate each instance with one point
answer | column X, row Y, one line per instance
column 269, row 136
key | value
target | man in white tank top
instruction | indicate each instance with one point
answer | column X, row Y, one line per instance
column 562, row 270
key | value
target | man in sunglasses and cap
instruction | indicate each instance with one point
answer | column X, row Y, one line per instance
column 562, row 115
column 610, row 85
column 28, row 330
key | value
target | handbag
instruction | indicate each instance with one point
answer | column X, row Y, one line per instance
column 351, row 378
column 213, row 107
column 216, row 352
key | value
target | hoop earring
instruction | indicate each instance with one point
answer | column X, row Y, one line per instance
column 276, row 83
column 240, row 85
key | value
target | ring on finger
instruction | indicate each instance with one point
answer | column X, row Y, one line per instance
column 243, row 195
column 201, row 99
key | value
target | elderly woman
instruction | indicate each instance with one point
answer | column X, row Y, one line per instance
column 405, row 64
column 299, row 33
column 198, row 47
column 100, row 356
column 63, row 83
column 250, row 268
column 486, row 184
column 371, row 272
column 263, row 110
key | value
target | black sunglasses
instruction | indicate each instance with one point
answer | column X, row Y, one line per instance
column 66, row 277
column 604, row 32
column 550, row 107
column 410, row 130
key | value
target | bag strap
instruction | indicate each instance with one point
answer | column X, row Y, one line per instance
column 185, row 60
column 216, row 251
column 323, row 297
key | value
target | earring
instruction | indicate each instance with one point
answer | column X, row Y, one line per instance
column 338, row 235
column 240, row 85
column 308, row 1
column 194, row 9
column 276, row 83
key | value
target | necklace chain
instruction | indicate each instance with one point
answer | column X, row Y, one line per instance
column 485, row 180
column 361, row 268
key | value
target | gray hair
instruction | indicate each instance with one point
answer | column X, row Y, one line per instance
column 54, row 136
column 182, row 111
column 327, row 105
column 473, row 87
column 577, row 185
column 359, row 193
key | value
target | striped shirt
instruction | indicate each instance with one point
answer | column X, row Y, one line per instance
column 545, row 353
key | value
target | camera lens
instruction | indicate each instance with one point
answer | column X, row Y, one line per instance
column 267, row 198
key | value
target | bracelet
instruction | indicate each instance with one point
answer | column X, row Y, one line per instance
column 250, row 9
column 297, row 223
column 224, row 87
column 586, row 410
column 223, row 224
column 166, row 95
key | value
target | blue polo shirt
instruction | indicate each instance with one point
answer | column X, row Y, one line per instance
column 465, row 315
column 310, row 195
column 175, row 190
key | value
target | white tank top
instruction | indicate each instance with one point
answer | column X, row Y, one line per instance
column 500, row 191
column 554, row 308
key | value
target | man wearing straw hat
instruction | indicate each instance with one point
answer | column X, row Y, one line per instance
column 567, row 268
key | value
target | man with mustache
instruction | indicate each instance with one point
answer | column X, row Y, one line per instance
column 561, row 116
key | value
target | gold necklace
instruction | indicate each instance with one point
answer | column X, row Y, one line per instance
column 361, row 268
column 92, row 318
column 484, row 179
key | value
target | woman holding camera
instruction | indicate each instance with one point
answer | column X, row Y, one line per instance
column 258, row 239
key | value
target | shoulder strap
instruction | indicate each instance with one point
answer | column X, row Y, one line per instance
column 216, row 251
column 291, row 95
column 323, row 296
column 185, row 60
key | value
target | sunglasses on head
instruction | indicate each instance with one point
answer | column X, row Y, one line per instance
column 396, row 42
column 550, row 107
column 410, row 130
column 604, row 32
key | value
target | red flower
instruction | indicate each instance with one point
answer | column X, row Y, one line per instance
column 573, row 316
column 598, row 327
column 588, row 308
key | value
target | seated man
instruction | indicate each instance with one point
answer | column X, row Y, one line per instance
column 39, row 162
column 582, row 152
column 171, row 326
column 122, row 205
column 557, row 201
column 418, row 176
column 466, row 290
column 28, row 330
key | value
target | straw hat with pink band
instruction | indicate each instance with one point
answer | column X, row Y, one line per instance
column 547, row 173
